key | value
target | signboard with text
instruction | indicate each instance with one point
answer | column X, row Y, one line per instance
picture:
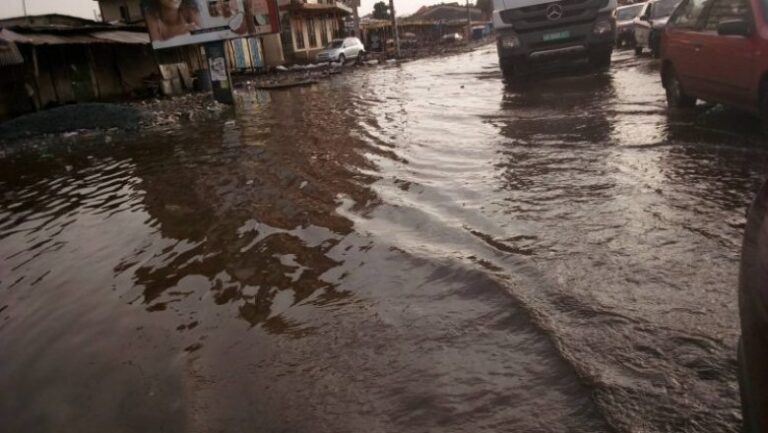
column 174, row 23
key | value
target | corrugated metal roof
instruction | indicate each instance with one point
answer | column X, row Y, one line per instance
column 123, row 37
column 9, row 52
column 317, row 8
column 49, row 39
column 96, row 37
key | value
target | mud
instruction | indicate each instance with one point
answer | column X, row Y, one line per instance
column 423, row 248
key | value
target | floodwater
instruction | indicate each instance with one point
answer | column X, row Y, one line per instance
column 408, row 249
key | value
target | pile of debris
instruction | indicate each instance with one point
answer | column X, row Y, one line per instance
column 77, row 119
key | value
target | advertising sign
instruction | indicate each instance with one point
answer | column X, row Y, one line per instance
column 173, row 23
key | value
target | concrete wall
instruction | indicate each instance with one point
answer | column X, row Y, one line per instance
column 110, row 10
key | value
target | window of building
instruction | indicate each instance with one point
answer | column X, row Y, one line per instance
column 298, row 34
column 312, row 31
column 324, row 31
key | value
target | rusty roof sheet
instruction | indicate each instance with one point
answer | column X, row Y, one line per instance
column 123, row 37
column 9, row 52
column 317, row 8
column 96, row 37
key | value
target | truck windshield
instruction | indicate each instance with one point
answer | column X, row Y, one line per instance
column 663, row 8
column 629, row 13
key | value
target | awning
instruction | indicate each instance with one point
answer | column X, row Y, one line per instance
column 75, row 38
column 317, row 8
column 123, row 37
column 9, row 52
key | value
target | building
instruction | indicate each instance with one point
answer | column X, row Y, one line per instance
column 66, row 60
column 446, row 13
column 427, row 26
column 309, row 25
column 243, row 54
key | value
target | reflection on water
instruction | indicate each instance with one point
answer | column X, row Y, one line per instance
column 422, row 248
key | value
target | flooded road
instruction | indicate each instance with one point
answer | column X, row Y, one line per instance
column 420, row 248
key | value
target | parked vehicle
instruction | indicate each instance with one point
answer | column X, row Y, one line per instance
column 452, row 38
column 533, row 31
column 753, row 309
column 625, row 24
column 409, row 40
column 715, row 50
column 341, row 50
column 650, row 24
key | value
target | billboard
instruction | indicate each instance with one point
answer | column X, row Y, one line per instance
column 173, row 23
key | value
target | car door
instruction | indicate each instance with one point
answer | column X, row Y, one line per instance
column 643, row 26
column 349, row 50
column 682, row 46
column 731, row 59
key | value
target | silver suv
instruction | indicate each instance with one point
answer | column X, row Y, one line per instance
column 341, row 50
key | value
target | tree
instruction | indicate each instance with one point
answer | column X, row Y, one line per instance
column 486, row 6
column 381, row 11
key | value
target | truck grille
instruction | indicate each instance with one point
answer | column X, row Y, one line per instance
column 531, row 18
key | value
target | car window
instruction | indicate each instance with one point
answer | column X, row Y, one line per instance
column 335, row 44
column 687, row 16
column 628, row 13
column 645, row 10
column 725, row 10
column 663, row 8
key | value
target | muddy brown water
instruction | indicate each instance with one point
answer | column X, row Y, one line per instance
column 411, row 249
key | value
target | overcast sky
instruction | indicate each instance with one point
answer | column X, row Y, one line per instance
column 85, row 8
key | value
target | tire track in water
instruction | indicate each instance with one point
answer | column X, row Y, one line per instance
column 437, row 214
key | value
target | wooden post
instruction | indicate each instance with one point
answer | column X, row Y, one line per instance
column 36, row 74
column 94, row 76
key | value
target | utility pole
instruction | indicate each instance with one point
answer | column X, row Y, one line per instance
column 469, row 23
column 394, row 27
column 24, row 6
column 355, row 7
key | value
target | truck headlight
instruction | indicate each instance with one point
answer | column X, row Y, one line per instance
column 602, row 27
column 510, row 41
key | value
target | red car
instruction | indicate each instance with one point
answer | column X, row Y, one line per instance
column 717, row 50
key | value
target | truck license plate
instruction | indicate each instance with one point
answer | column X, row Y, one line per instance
column 556, row 36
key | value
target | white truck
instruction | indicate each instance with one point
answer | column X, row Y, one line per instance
column 536, row 31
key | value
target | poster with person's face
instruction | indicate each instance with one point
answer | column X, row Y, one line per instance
column 173, row 23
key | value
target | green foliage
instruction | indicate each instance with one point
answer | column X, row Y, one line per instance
column 381, row 11
column 486, row 6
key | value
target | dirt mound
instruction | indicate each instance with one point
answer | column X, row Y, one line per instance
column 72, row 118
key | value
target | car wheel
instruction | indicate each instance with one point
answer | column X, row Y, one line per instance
column 638, row 50
column 676, row 96
column 342, row 59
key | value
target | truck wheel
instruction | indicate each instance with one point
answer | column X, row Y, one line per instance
column 513, row 69
column 601, row 60
column 507, row 68
column 676, row 96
